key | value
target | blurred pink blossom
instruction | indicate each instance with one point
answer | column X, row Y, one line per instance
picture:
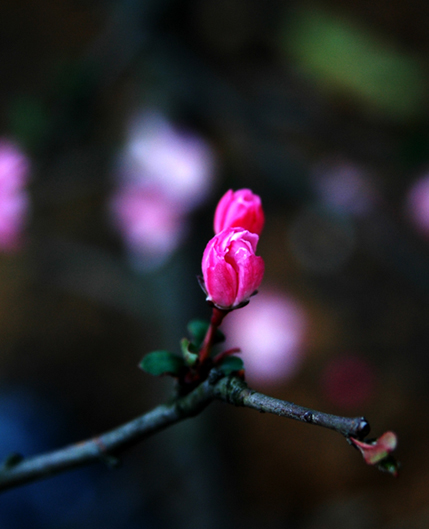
column 152, row 227
column 270, row 331
column 179, row 164
column 163, row 173
column 417, row 205
column 14, row 200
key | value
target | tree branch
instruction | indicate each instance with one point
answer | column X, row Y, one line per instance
column 106, row 447
column 235, row 391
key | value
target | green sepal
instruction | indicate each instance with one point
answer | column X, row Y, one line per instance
column 189, row 351
column 390, row 465
column 230, row 364
column 187, row 346
column 198, row 329
column 159, row 363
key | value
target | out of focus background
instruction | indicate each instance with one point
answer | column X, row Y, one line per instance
column 122, row 123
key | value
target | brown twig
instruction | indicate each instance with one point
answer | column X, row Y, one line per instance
column 106, row 447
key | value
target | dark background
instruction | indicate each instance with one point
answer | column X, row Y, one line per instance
column 293, row 98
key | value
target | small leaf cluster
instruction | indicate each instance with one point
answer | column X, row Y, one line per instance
column 187, row 367
column 378, row 452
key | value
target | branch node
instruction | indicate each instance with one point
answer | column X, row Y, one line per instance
column 109, row 460
column 214, row 376
column 237, row 391
column 363, row 428
column 308, row 417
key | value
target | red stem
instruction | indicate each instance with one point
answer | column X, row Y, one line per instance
column 217, row 317
column 223, row 354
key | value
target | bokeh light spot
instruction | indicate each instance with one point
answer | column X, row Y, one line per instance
column 270, row 332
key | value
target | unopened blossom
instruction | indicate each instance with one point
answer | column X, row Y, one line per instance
column 231, row 270
column 241, row 209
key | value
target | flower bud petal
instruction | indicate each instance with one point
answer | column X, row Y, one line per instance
column 241, row 209
column 231, row 270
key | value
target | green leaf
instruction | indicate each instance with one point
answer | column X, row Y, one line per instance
column 189, row 351
column 230, row 364
column 190, row 358
column 198, row 329
column 162, row 363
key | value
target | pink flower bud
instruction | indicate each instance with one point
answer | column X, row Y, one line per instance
column 241, row 209
column 231, row 270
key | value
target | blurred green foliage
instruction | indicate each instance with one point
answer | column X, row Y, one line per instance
column 344, row 57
